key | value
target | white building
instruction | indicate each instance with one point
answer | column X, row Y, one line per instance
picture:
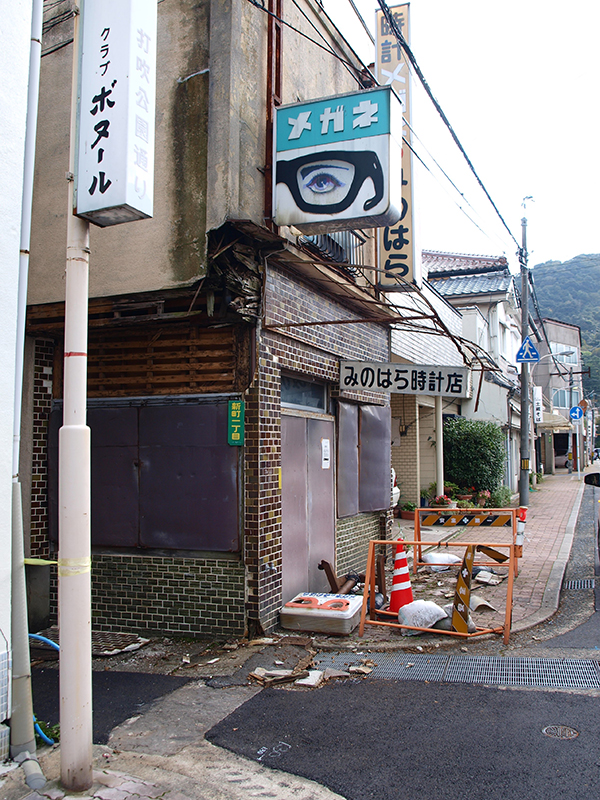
column 14, row 68
column 483, row 290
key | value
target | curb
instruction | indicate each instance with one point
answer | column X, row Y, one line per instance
column 551, row 598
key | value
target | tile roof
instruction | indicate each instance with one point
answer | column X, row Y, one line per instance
column 439, row 264
column 488, row 283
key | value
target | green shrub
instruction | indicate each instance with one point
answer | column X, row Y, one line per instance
column 501, row 497
column 474, row 453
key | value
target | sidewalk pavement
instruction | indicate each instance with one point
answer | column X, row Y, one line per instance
column 165, row 747
column 551, row 518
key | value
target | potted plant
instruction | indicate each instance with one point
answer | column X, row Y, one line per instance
column 483, row 498
column 441, row 501
column 407, row 510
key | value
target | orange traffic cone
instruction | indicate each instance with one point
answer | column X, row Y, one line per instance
column 401, row 589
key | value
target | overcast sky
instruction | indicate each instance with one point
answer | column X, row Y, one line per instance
column 518, row 81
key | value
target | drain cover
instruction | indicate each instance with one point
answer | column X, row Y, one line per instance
column 581, row 583
column 560, row 732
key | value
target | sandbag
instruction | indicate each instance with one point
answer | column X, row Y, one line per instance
column 420, row 613
column 444, row 560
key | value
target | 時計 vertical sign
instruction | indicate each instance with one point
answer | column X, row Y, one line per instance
column 399, row 260
column 117, row 70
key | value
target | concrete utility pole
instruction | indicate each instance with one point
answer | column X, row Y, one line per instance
column 524, row 475
column 74, row 554
column 571, row 453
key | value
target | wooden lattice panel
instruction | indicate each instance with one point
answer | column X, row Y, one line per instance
column 166, row 360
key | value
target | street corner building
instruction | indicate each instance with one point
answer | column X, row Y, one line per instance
column 227, row 463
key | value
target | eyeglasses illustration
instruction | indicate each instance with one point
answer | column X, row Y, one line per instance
column 329, row 182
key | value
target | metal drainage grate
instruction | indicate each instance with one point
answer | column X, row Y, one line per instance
column 582, row 583
column 560, row 732
column 539, row 672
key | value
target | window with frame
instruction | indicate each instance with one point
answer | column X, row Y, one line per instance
column 303, row 394
column 565, row 398
column 566, row 354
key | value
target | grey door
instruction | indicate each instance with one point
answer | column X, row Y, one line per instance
column 307, row 499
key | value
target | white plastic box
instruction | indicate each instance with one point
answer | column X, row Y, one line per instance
column 321, row 612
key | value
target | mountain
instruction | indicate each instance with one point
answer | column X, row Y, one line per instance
column 569, row 291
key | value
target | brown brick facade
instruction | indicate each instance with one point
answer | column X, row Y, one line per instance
column 42, row 401
column 227, row 595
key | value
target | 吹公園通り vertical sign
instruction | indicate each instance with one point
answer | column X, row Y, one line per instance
column 399, row 260
column 115, row 157
column 333, row 159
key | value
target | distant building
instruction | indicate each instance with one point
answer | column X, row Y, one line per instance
column 558, row 373
column 483, row 290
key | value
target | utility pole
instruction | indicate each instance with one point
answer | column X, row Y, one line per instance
column 524, row 475
column 571, row 454
column 74, row 550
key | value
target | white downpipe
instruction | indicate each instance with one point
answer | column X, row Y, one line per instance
column 22, row 735
column 439, row 445
column 74, row 555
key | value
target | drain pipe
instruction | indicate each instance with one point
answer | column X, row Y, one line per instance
column 22, row 735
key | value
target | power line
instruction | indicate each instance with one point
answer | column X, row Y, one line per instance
column 410, row 56
column 261, row 6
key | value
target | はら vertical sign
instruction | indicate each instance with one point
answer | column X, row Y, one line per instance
column 117, row 68
column 399, row 259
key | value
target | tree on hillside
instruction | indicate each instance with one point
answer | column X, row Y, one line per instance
column 570, row 292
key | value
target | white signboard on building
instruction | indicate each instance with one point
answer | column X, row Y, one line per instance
column 538, row 404
column 333, row 162
column 115, row 160
column 396, row 378
column 399, row 256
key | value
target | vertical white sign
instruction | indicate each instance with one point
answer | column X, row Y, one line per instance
column 538, row 404
column 115, row 160
column 399, row 259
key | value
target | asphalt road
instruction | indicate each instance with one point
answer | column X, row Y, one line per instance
column 116, row 696
column 388, row 740
column 384, row 739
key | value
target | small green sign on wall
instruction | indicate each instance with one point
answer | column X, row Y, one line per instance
column 235, row 422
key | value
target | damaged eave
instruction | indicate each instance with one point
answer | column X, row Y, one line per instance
column 124, row 310
column 329, row 279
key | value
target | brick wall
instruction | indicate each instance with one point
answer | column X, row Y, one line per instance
column 427, row 447
column 190, row 596
column 352, row 539
column 312, row 351
column 153, row 595
column 405, row 455
column 42, row 400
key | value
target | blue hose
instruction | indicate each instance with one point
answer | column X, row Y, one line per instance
column 40, row 638
column 41, row 733
column 38, row 730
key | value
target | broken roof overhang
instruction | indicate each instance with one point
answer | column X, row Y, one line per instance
column 416, row 315
column 554, row 422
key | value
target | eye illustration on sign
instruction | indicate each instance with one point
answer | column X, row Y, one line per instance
column 330, row 181
column 333, row 162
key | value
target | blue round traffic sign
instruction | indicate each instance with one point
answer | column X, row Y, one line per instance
column 576, row 412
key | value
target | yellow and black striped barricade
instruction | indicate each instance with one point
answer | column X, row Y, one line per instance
column 470, row 521
column 505, row 551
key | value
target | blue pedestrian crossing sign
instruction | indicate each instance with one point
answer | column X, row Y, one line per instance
column 527, row 353
column 576, row 413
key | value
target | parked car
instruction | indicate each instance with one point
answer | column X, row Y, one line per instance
column 560, row 460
